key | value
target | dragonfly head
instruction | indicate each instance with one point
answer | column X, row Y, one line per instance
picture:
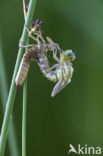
column 68, row 55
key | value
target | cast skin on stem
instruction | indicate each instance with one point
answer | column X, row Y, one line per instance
column 12, row 92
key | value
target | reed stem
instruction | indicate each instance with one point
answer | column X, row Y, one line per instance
column 12, row 92
column 24, row 118
column 12, row 138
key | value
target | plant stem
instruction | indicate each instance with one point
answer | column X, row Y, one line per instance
column 24, row 118
column 12, row 91
column 12, row 139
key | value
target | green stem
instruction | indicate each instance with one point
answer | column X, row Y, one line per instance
column 12, row 139
column 12, row 92
column 24, row 118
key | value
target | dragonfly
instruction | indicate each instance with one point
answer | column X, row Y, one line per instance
column 61, row 72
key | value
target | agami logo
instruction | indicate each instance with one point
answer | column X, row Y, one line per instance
column 85, row 150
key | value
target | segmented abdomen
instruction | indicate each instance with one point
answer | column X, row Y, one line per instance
column 23, row 69
column 64, row 75
column 44, row 66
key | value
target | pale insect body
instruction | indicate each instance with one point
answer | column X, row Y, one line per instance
column 62, row 73
column 64, row 78
column 44, row 67
column 63, row 68
column 43, row 62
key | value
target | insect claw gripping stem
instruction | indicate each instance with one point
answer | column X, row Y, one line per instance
column 30, row 35
column 26, row 46
column 61, row 72
column 21, row 45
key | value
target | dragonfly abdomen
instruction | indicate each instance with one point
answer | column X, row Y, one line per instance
column 52, row 76
column 44, row 66
column 23, row 69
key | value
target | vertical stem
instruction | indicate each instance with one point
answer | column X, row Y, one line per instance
column 24, row 104
column 24, row 118
column 12, row 139
column 12, row 92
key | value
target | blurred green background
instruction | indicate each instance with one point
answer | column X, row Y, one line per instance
column 75, row 115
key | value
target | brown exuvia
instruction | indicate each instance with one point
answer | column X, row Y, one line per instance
column 29, row 55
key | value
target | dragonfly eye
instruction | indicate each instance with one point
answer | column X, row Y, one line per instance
column 69, row 54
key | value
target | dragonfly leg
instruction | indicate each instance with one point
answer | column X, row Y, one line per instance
column 39, row 36
column 35, row 39
column 55, row 55
column 25, row 46
column 54, row 66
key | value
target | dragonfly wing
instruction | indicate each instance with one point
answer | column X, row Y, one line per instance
column 58, row 87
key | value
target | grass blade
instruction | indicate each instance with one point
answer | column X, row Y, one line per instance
column 12, row 92
column 12, row 139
